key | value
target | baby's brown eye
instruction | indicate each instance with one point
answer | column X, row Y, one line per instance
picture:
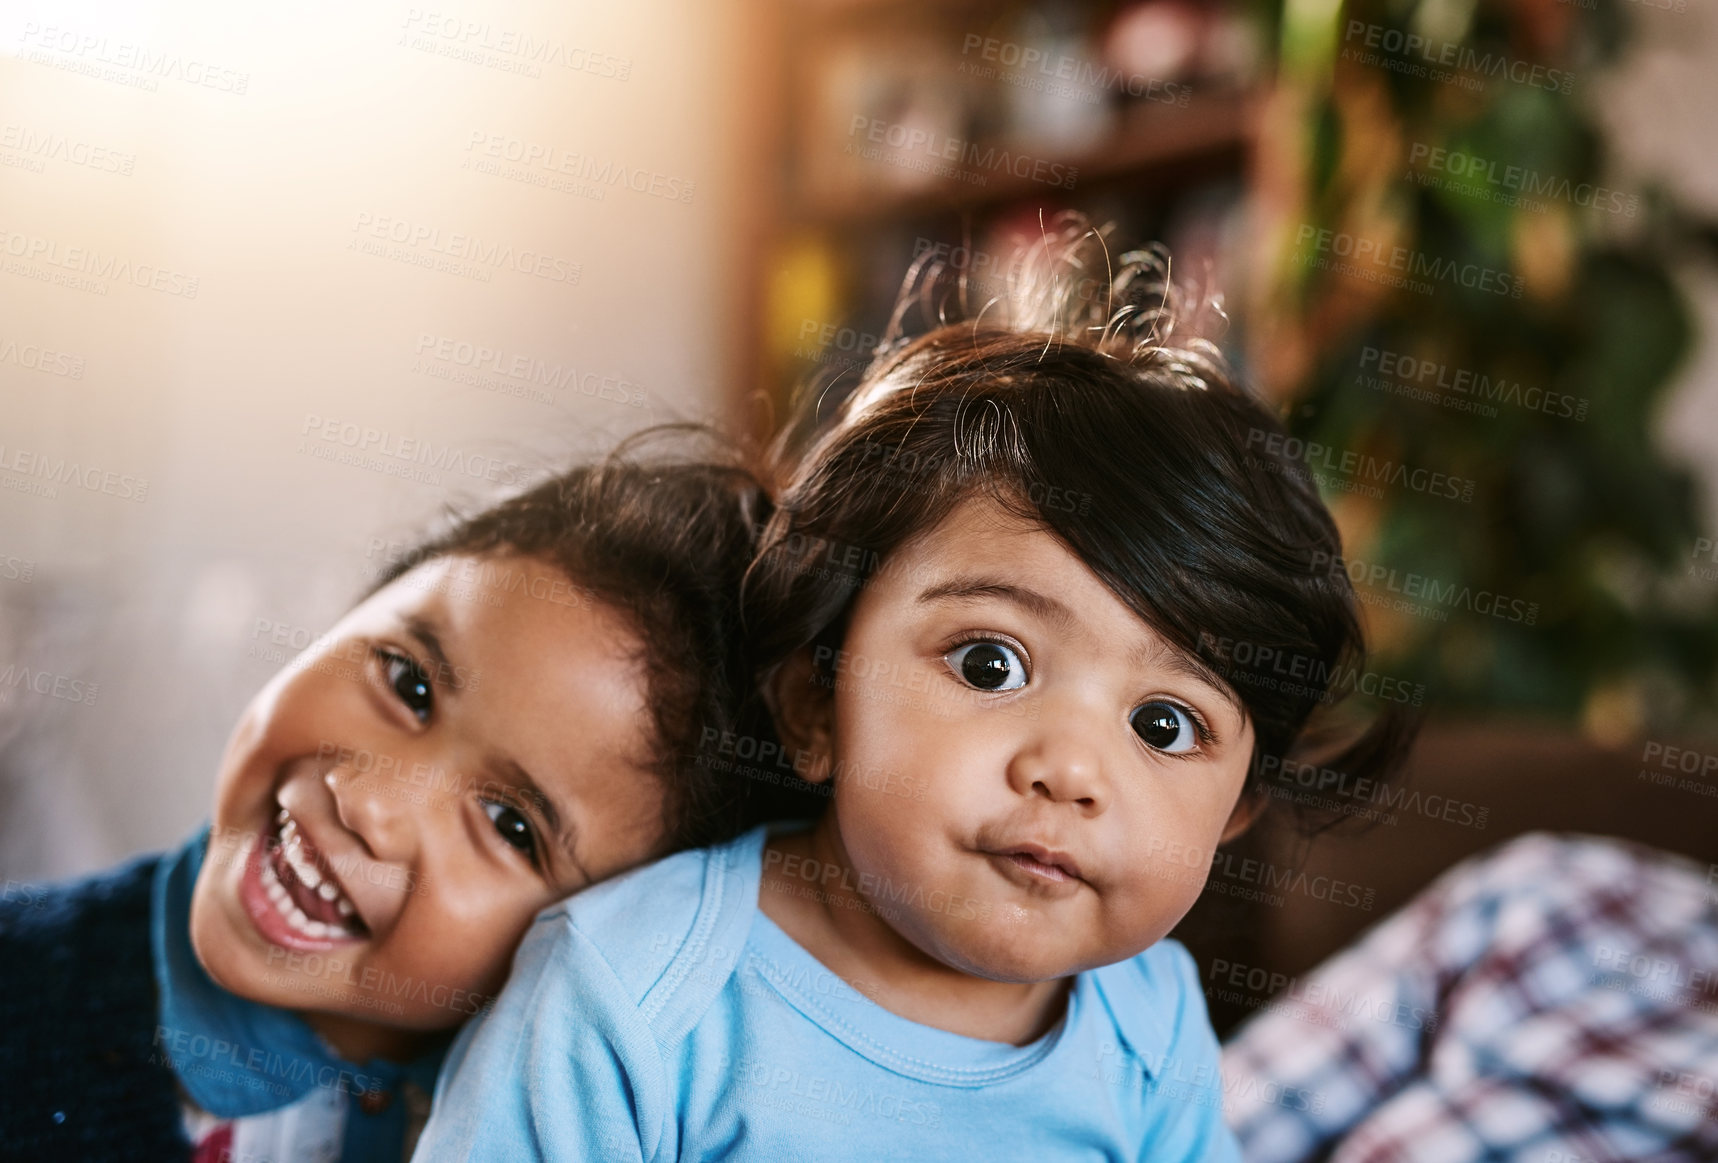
column 410, row 684
column 1164, row 726
column 989, row 666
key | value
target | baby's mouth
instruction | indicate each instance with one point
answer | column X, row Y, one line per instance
column 1038, row 866
column 303, row 889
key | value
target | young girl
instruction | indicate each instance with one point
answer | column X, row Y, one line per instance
column 999, row 607
column 516, row 713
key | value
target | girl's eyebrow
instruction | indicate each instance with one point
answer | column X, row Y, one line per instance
column 1158, row 654
column 424, row 631
column 510, row 774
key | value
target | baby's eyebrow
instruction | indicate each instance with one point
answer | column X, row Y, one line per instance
column 975, row 588
column 1186, row 665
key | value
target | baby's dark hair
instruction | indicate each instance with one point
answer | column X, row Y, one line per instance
column 664, row 540
column 1077, row 401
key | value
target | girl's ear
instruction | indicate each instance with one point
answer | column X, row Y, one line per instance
column 1246, row 813
column 804, row 709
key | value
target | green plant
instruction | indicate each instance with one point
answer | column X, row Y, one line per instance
column 1499, row 313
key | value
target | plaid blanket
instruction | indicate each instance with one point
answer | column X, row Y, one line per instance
column 1553, row 1001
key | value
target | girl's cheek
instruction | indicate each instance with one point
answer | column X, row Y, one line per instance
column 464, row 958
column 319, row 711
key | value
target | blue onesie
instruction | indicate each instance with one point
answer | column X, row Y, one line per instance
column 662, row 1015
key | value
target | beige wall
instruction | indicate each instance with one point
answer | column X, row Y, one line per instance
column 218, row 218
column 1658, row 108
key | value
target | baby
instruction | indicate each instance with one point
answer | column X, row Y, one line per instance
column 517, row 712
column 995, row 612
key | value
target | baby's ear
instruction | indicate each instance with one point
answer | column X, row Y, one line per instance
column 804, row 708
column 1247, row 811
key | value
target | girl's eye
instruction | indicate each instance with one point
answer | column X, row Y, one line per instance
column 1165, row 726
column 513, row 827
column 989, row 666
column 410, row 683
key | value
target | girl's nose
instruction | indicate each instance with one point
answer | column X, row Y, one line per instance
column 374, row 810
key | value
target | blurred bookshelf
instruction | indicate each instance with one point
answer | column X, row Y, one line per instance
column 951, row 126
column 1232, row 131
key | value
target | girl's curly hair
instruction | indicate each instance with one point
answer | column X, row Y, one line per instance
column 661, row 529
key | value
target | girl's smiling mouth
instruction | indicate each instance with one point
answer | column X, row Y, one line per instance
column 291, row 894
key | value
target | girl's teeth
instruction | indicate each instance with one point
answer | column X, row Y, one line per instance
column 282, row 817
column 305, row 869
column 295, row 916
column 271, row 884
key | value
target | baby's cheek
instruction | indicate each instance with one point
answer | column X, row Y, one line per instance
column 1174, row 873
column 1133, row 921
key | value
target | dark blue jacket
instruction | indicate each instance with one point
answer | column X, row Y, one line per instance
column 80, row 1078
